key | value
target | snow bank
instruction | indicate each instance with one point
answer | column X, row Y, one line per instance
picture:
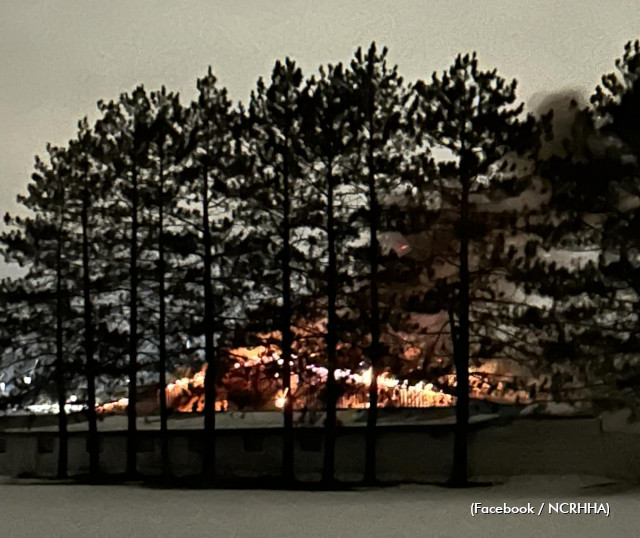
column 99, row 511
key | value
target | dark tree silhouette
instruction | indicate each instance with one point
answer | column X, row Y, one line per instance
column 42, row 297
column 382, row 162
column 275, row 145
column 473, row 115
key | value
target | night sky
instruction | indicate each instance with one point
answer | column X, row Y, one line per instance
column 59, row 58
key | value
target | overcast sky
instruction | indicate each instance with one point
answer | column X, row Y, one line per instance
column 57, row 58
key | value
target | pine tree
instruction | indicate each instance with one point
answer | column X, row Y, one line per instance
column 124, row 132
column 84, row 189
column 327, row 105
column 209, row 192
column 276, row 161
column 386, row 161
column 594, row 293
column 41, row 299
column 474, row 116
column 166, row 148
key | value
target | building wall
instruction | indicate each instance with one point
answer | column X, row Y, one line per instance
column 405, row 453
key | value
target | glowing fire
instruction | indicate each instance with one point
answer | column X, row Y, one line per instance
column 253, row 381
column 281, row 398
column 187, row 394
column 391, row 391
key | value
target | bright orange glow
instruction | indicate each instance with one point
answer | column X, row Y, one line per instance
column 281, row 398
column 254, row 381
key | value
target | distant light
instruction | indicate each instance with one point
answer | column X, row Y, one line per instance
column 27, row 379
column 73, row 398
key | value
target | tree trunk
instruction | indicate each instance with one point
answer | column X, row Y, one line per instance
column 285, row 323
column 461, row 351
column 374, row 351
column 132, row 434
column 92, row 442
column 162, row 336
column 328, row 470
column 210, row 379
column 63, row 436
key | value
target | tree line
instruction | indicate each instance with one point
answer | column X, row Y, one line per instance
column 167, row 232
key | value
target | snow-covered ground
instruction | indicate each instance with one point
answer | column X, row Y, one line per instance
column 53, row 510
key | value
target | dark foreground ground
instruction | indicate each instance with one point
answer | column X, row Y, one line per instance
column 32, row 509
